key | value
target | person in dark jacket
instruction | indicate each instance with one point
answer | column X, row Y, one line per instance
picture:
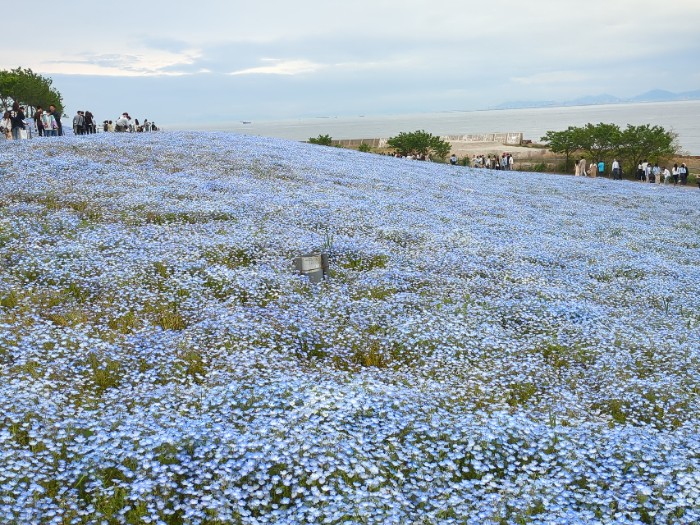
column 89, row 123
column 17, row 118
column 39, row 123
column 683, row 172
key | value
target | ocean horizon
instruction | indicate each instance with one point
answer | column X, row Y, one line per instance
column 680, row 117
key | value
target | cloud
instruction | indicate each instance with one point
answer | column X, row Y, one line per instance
column 281, row 67
column 117, row 64
column 278, row 59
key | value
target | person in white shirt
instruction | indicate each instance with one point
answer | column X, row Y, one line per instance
column 616, row 170
column 49, row 123
column 122, row 124
column 666, row 174
column 647, row 170
column 675, row 173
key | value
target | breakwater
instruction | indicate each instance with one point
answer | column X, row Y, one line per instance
column 509, row 139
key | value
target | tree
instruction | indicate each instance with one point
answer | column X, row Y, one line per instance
column 603, row 141
column 440, row 148
column 28, row 89
column 646, row 142
column 599, row 142
column 567, row 141
column 364, row 147
column 419, row 143
column 323, row 140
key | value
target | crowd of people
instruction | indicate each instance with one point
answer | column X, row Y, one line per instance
column 125, row 124
column 654, row 174
column 84, row 123
column 494, row 162
column 16, row 125
column 646, row 172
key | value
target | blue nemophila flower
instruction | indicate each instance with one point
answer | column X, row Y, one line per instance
column 487, row 348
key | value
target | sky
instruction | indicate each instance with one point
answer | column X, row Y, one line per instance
column 183, row 62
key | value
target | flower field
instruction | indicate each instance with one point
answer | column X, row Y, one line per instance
column 489, row 347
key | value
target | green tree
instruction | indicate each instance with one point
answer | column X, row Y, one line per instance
column 419, row 143
column 323, row 140
column 599, row 142
column 646, row 142
column 440, row 148
column 603, row 141
column 566, row 142
column 28, row 89
column 364, row 147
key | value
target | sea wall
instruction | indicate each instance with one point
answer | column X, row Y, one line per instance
column 510, row 139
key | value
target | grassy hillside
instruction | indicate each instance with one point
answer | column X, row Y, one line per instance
column 490, row 347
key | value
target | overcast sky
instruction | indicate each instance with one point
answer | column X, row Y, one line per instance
column 218, row 60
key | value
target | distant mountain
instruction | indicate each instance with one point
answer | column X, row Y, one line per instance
column 655, row 95
column 517, row 104
column 595, row 99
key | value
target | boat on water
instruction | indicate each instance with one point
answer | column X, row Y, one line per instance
column 246, row 122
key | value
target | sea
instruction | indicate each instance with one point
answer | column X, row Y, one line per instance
column 682, row 118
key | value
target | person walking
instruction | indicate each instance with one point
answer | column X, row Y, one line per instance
column 674, row 174
column 601, row 168
column 683, row 172
column 616, row 175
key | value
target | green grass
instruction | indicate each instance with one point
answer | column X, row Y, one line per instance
column 104, row 372
column 229, row 256
column 191, row 364
column 360, row 263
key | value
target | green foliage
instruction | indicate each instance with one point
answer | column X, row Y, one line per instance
column 104, row 372
column 540, row 167
column 606, row 141
column 229, row 256
column 601, row 141
column 566, row 141
column 365, row 148
column 361, row 263
column 29, row 89
column 322, row 140
column 646, row 142
column 419, row 143
column 11, row 300
column 192, row 365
